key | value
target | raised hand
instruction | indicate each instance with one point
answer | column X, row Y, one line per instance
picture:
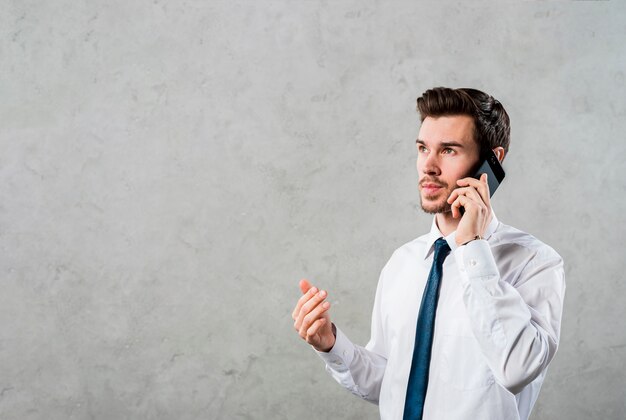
column 311, row 318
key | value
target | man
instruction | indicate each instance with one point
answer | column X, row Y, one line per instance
column 467, row 317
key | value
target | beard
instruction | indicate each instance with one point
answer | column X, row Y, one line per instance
column 436, row 203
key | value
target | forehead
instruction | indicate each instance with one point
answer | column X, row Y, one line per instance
column 451, row 128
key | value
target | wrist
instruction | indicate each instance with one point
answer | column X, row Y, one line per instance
column 465, row 241
column 332, row 344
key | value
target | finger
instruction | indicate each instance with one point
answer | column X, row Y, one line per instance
column 471, row 192
column 313, row 329
column 484, row 189
column 455, row 207
column 312, row 316
column 303, row 299
column 453, row 196
column 470, row 204
column 478, row 184
column 304, row 285
column 468, row 191
column 469, row 180
column 309, row 306
column 481, row 185
column 312, row 303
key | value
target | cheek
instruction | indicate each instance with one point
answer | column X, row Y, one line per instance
column 459, row 174
column 459, row 169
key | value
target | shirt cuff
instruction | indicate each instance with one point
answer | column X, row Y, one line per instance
column 476, row 261
column 340, row 356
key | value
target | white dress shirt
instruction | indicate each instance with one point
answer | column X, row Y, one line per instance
column 497, row 328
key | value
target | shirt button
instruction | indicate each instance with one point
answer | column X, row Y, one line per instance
column 472, row 263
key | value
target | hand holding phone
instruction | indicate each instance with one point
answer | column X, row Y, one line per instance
column 494, row 170
column 490, row 165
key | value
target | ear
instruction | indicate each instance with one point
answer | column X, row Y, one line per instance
column 499, row 151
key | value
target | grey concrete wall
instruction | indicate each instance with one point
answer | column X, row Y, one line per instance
column 170, row 170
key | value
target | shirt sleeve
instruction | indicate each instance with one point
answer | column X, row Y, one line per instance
column 360, row 369
column 517, row 325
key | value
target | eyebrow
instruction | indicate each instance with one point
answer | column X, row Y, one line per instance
column 442, row 144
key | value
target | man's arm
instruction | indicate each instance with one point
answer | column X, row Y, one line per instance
column 517, row 327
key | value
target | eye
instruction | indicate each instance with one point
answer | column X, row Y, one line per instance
column 422, row 149
column 448, row 150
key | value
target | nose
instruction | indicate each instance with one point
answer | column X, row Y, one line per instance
column 429, row 164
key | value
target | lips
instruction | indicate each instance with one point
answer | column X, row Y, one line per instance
column 430, row 188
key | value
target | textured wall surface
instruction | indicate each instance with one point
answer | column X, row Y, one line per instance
column 170, row 170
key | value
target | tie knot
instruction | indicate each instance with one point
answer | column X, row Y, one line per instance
column 442, row 249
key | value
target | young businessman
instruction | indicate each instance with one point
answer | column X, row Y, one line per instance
column 467, row 317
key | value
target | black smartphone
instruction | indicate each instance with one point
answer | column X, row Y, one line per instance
column 490, row 165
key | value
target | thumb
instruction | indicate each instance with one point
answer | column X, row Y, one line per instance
column 304, row 285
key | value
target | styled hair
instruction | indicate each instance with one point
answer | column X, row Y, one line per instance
column 491, row 122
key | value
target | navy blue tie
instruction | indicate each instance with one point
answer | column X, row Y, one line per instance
column 418, row 378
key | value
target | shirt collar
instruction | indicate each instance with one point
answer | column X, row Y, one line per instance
column 435, row 234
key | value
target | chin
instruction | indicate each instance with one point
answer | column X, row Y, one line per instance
column 434, row 207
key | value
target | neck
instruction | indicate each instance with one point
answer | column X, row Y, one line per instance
column 446, row 223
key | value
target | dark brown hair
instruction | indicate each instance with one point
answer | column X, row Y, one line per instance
column 491, row 122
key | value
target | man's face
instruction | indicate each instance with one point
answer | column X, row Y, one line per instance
column 446, row 152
